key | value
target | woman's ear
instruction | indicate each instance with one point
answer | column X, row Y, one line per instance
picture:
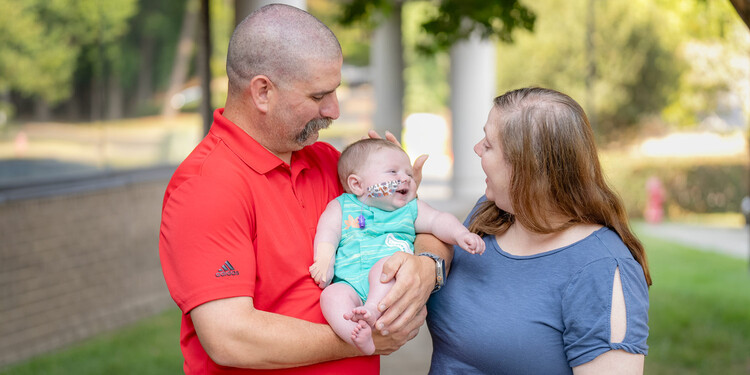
column 260, row 92
column 355, row 185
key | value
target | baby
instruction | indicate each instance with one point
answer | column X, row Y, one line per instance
column 358, row 231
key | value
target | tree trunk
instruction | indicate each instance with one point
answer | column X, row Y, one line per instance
column 145, row 86
column 97, row 98
column 591, row 65
column 115, row 97
column 743, row 9
column 204, row 64
column 181, row 64
column 241, row 9
column 42, row 111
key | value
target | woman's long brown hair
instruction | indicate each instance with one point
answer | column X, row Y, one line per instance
column 548, row 142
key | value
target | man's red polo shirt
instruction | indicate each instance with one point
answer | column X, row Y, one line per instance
column 238, row 221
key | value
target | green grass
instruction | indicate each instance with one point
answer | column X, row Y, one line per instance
column 699, row 319
column 699, row 313
column 148, row 347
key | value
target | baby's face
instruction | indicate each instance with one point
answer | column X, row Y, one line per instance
column 388, row 179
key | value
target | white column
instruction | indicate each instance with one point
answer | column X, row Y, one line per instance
column 244, row 7
column 473, row 86
column 387, row 67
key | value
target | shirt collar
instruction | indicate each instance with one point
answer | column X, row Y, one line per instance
column 248, row 149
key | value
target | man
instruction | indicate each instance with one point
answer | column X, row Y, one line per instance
column 240, row 213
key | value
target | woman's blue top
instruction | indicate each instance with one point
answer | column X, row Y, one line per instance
column 541, row 314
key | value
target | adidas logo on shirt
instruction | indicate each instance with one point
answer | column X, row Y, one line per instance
column 227, row 270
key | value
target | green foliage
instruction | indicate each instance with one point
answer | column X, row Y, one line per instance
column 552, row 56
column 634, row 71
column 42, row 42
column 455, row 20
column 693, row 185
column 425, row 76
column 222, row 26
column 50, row 49
column 34, row 59
column 699, row 305
column 156, row 26
column 367, row 12
column 714, row 49
column 354, row 41
column 490, row 18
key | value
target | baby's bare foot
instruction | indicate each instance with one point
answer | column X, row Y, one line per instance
column 365, row 313
column 349, row 316
column 362, row 338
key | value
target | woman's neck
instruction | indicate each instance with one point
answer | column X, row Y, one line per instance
column 519, row 240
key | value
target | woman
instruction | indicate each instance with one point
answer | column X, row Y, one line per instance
column 563, row 285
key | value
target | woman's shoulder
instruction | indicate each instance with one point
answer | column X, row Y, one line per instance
column 600, row 253
column 611, row 244
column 600, row 247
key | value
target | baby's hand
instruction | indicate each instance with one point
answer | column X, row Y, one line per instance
column 471, row 242
column 319, row 271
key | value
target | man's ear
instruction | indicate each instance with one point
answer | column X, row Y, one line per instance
column 355, row 185
column 260, row 92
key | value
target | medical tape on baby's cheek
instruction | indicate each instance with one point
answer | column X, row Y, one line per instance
column 383, row 189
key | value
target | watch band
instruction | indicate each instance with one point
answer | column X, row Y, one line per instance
column 439, row 270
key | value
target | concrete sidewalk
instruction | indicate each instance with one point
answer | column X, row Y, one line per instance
column 732, row 241
column 412, row 359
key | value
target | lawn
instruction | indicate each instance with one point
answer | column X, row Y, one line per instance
column 148, row 347
column 699, row 319
column 700, row 312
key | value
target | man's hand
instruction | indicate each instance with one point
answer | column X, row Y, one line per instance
column 418, row 164
column 415, row 280
column 385, row 345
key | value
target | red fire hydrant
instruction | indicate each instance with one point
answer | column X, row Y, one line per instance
column 654, row 212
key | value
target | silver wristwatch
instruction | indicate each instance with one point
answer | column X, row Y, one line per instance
column 439, row 270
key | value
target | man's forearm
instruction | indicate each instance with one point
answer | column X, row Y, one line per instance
column 431, row 244
column 235, row 334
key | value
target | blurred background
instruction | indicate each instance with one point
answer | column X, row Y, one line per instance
column 100, row 100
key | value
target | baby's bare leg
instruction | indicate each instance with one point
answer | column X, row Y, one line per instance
column 369, row 312
column 362, row 338
column 339, row 299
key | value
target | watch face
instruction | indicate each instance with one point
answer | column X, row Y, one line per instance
column 440, row 272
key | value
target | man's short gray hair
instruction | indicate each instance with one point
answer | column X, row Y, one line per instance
column 278, row 41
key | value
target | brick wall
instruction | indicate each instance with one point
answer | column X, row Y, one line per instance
column 79, row 263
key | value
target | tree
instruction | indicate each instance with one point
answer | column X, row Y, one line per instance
column 711, row 45
column 35, row 59
column 44, row 44
column 181, row 64
column 743, row 9
column 640, row 71
column 455, row 19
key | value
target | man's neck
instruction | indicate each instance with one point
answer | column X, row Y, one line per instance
column 286, row 158
column 244, row 122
